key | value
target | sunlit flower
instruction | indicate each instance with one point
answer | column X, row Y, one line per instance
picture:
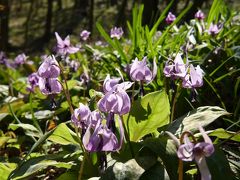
column 116, row 100
column 199, row 15
column 85, row 35
column 33, row 80
column 139, row 71
column 64, row 47
column 116, row 32
column 175, row 69
column 49, row 85
column 20, row 59
column 170, row 18
column 214, row 29
column 194, row 78
column 110, row 83
column 80, row 117
column 49, row 68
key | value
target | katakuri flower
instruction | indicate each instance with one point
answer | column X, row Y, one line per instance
column 139, row 71
column 116, row 33
column 49, row 68
column 214, row 29
column 20, row 59
column 80, row 117
column 33, row 80
column 199, row 15
column 49, row 85
column 175, row 69
column 170, row 18
column 116, row 100
column 197, row 151
column 194, row 78
column 64, row 47
column 102, row 139
column 109, row 83
column 85, row 35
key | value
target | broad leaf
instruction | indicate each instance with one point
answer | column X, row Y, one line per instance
column 63, row 135
column 5, row 169
column 147, row 114
column 223, row 134
column 45, row 114
column 28, row 129
column 201, row 116
column 166, row 150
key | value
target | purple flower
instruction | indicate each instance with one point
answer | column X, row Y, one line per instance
column 102, row 139
column 116, row 100
column 95, row 117
column 189, row 151
column 84, row 78
column 194, row 78
column 199, row 15
column 64, row 47
column 213, row 29
column 74, row 65
column 80, row 117
column 109, row 83
column 139, row 71
column 20, row 59
column 49, row 68
column 175, row 69
column 33, row 80
column 116, row 33
column 170, row 18
column 3, row 58
column 85, row 35
column 49, row 85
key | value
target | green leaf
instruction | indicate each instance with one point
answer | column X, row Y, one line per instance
column 35, row 166
column 45, row 114
column 63, row 135
column 166, row 150
column 28, row 129
column 219, row 166
column 3, row 140
column 223, row 134
column 5, row 169
column 147, row 114
column 155, row 172
column 201, row 116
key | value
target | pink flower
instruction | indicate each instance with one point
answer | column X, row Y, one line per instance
column 170, row 18
column 85, row 35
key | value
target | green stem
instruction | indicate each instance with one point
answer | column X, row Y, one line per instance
column 67, row 94
column 133, row 88
column 33, row 116
column 81, row 167
column 174, row 103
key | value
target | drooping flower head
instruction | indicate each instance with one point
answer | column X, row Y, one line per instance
column 85, row 35
column 194, row 78
column 49, row 86
column 116, row 33
column 20, row 59
column 116, row 100
column 49, row 68
column 3, row 58
column 197, row 151
column 64, row 47
column 80, row 117
column 102, row 139
column 170, row 18
column 48, row 72
column 139, row 71
column 33, row 80
column 109, row 83
column 175, row 69
column 199, row 15
column 214, row 29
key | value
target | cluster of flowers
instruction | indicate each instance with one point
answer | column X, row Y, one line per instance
column 192, row 77
column 214, row 29
column 18, row 60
